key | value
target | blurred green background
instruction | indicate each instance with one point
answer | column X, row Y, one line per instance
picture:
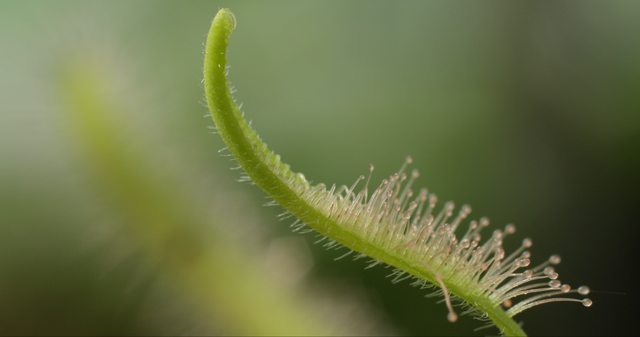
column 118, row 216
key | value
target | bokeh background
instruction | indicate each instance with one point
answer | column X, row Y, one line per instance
column 119, row 216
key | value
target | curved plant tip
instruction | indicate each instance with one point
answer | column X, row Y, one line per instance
column 391, row 224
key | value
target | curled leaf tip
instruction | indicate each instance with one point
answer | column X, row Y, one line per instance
column 226, row 17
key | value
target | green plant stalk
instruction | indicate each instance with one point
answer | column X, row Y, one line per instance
column 168, row 229
column 248, row 149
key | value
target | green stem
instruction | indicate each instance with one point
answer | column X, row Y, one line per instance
column 264, row 168
column 165, row 225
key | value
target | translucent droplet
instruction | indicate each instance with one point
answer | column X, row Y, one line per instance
column 524, row 262
column 507, row 303
column 449, row 206
column 554, row 284
column 527, row 273
column 473, row 224
column 565, row 288
column 583, row 290
column 527, row 243
column 587, row 302
column 452, row 317
column 466, row 209
column 409, row 160
column 510, row 229
column 548, row 270
column 553, row 275
column 554, row 259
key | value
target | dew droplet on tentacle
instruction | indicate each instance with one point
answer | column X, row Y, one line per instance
column 583, row 290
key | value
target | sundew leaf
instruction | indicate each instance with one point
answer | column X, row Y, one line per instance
column 391, row 225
